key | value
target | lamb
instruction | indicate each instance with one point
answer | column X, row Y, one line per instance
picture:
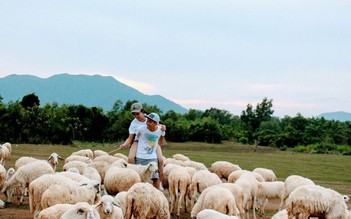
column 220, row 199
column 120, row 200
column 108, row 208
column 291, row 183
column 211, row 214
column 81, row 210
column 85, row 153
column 52, row 160
column 268, row 190
column 24, row 176
column 166, row 171
column 180, row 157
column 223, row 168
column 236, row 191
column 80, row 165
column 316, row 201
column 267, row 174
column 145, row 171
column 55, row 211
column 70, row 193
column 145, row 201
column 179, row 180
column 120, row 179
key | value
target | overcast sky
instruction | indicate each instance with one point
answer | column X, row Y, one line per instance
column 198, row 53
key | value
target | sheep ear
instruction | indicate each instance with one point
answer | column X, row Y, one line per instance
column 60, row 158
column 80, row 211
column 116, row 204
column 50, row 158
column 84, row 184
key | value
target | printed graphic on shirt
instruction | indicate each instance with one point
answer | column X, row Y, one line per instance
column 151, row 139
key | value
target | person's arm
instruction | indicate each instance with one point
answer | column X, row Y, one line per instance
column 128, row 142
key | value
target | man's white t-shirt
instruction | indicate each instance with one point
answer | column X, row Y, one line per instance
column 134, row 125
column 148, row 142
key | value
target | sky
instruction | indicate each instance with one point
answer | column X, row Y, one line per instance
column 200, row 54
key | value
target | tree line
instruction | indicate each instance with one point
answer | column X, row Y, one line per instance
column 26, row 121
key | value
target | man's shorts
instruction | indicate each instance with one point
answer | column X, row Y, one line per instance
column 141, row 161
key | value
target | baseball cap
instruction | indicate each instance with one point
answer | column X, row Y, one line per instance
column 154, row 117
column 136, row 108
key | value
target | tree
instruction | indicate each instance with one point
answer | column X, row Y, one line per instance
column 30, row 100
column 252, row 118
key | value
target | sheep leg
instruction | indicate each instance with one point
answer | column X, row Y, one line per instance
column 181, row 198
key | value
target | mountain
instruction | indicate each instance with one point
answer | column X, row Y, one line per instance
column 96, row 90
column 341, row 116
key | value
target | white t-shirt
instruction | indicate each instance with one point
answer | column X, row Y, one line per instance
column 134, row 125
column 148, row 142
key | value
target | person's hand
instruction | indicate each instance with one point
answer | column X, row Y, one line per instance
column 163, row 127
column 122, row 146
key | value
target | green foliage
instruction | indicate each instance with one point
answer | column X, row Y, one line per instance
column 27, row 122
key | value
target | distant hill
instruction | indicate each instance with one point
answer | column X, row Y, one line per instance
column 340, row 116
column 96, row 90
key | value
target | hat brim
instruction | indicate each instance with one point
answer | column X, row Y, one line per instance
column 147, row 116
column 135, row 111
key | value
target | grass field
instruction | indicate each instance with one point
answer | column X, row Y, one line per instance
column 331, row 171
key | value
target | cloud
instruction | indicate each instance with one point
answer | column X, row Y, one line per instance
column 139, row 85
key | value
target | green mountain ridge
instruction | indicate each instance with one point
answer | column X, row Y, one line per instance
column 95, row 90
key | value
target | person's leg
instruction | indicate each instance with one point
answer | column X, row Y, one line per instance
column 160, row 162
column 156, row 183
column 132, row 152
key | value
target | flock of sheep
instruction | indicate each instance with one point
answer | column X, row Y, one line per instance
column 94, row 184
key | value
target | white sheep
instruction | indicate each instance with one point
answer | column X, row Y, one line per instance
column 108, row 208
column 101, row 167
column 179, row 179
column 233, row 176
column 70, row 193
column 145, row 201
column 2, row 204
column 80, row 165
column 145, row 171
column 213, row 214
column 55, row 211
column 236, row 191
column 97, row 153
column 249, row 184
column 120, row 179
column 52, row 160
column 81, row 210
column 107, row 158
column 120, row 200
column 70, row 158
column 166, row 171
column 180, row 157
column 222, row 200
column 2, row 176
column 266, row 191
column 223, row 168
column 346, row 198
column 24, row 176
column 75, row 176
column 267, row 174
column 195, row 164
column 4, row 154
column 38, row 186
column 121, row 156
column 282, row 214
column 291, row 183
column 200, row 181
column 85, row 153
column 92, row 173
column 316, row 201
column 8, row 146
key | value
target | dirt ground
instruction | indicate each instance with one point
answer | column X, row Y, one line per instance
column 14, row 211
